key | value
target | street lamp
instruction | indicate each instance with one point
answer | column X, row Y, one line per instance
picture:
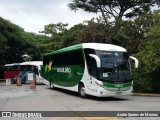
column 26, row 57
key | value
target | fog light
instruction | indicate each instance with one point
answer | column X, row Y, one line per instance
column 101, row 92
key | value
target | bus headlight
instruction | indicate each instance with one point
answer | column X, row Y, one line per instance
column 100, row 85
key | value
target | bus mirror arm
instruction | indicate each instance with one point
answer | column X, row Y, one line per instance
column 135, row 60
column 98, row 61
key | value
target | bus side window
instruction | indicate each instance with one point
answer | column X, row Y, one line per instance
column 69, row 58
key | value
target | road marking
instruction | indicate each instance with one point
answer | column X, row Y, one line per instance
column 86, row 118
column 76, row 118
column 101, row 118
column 57, row 118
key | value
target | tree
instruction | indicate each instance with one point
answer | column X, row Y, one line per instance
column 11, row 35
column 30, row 45
column 52, row 29
column 72, row 36
column 3, row 48
column 16, row 42
column 133, row 31
column 113, row 8
column 95, row 31
column 148, row 77
column 3, row 51
column 42, row 43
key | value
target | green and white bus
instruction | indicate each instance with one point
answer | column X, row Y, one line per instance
column 91, row 69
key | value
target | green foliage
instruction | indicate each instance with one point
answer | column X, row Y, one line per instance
column 114, row 8
column 10, row 34
column 148, row 77
column 3, row 47
column 130, row 32
column 95, row 31
column 15, row 42
column 72, row 36
column 53, row 29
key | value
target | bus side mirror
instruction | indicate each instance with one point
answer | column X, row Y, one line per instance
column 98, row 61
column 135, row 60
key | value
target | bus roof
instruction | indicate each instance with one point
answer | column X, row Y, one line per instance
column 36, row 63
column 13, row 64
column 104, row 47
column 96, row 46
column 71, row 48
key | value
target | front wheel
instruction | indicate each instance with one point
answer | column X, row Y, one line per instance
column 82, row 92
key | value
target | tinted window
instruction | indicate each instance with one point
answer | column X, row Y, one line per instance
column 67, row 58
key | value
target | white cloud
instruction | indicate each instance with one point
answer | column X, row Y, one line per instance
column 32, row 15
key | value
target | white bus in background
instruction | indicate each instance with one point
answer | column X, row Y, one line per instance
column 34, row 66
column 90, row 69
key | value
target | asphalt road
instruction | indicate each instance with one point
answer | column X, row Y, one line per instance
column 13, row 98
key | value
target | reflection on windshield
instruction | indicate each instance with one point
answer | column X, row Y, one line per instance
column 114, row 66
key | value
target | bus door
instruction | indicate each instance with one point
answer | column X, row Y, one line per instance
column 36, row 71
column 93, row 75
column 24, row 70
column 92, row 71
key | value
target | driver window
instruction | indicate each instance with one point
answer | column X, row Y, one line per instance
column 93, row 66
column 91, row 62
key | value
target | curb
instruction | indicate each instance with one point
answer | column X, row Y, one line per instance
column 146, row 94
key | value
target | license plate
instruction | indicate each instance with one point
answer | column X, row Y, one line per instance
column 118, row 93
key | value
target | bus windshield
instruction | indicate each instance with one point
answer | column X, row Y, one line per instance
column 30, row 68
column 115, row 66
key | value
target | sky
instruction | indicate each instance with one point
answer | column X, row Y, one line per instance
column 33, row 15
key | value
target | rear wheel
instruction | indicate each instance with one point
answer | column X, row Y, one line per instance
column 82, row 92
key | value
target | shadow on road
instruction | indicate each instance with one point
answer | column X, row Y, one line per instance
column 75, row 94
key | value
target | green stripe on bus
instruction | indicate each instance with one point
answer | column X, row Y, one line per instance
column 67, row 49
column 117, row 85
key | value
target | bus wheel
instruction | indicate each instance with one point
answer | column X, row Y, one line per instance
column 82, row 92
column 51, row 84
